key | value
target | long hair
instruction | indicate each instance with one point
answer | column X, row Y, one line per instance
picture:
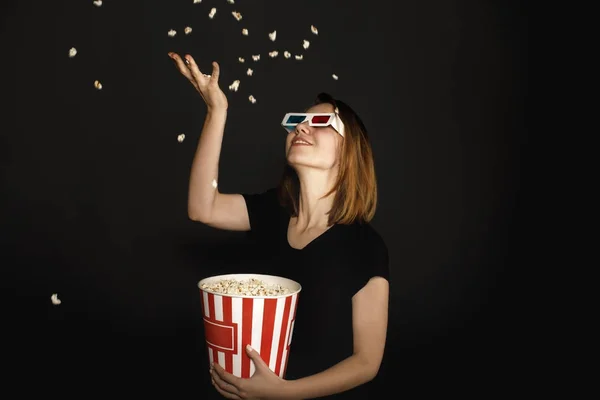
column 356, row 184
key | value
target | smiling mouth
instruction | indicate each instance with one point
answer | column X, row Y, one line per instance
column 301, row 142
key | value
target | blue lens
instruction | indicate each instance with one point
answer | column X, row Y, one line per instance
column 295, row 119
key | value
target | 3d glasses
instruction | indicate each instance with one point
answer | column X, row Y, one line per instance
column 314, row 119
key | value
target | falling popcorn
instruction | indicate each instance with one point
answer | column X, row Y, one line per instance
column 287, row 54
column 98, row 3
column 181, row 138
column 235, row 85
column 314, row 30
column 98, row 85
column 335, row 77
column 249, row 72
column 252, row 99
column 237, row 15
column 187, row 30
column 55, row 300
column 212, row 13
column 72, row 52
column 240, row 59
column 214, row 183
column 299, row 57
column 197, row 1
column 256, row 57
column 172, row 32
column 273, row 35
column 245, row 32
column 230, row 1
column 305, row 44
column 273, row 54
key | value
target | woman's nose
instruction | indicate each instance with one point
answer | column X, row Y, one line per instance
column 303, row 127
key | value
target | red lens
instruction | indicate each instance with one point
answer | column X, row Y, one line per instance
column 320, row 119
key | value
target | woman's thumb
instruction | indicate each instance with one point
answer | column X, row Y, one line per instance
column 215, row 71
column 254, row 356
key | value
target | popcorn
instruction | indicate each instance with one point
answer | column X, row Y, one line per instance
column 172, row 33
column 197, row 1
column 212, row 13
column 299, row 57
column 273, row 54
column 245, row 32
column 72, row 52
column 249, row 287
column 235, row 85
column 314, row 30
column 252, row 99
column 98, row 3
column 256, row 57
column 287, row 54
column 335, row 76
column 230, row 1
column 305, row 44
column 240, row 59
column 187, row 30
column 97, row 85
column 55, row 300
column 237, row 15
column 273, row 35
column 181, row 138
column 249, row 72
column 214, row 183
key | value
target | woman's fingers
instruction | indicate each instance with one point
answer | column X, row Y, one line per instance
column 183, row 68
column 218, row 384
column 224, row 383
column 206, row 85
column 200, row 78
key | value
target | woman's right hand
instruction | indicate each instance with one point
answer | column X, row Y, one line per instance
column 206, row 85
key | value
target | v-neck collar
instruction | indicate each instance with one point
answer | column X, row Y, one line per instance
column 312, row 242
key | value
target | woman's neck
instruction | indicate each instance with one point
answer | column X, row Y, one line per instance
column 313, row 208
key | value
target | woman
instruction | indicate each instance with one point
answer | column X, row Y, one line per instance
column 314, row 227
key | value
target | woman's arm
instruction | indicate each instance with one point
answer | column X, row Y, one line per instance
column 369, row 325
column 205, row 203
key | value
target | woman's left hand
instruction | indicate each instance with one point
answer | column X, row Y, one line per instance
column 263, row 385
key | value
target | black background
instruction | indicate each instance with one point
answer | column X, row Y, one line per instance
column 94, row 182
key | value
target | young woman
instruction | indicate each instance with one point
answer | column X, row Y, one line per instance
column 315, row 228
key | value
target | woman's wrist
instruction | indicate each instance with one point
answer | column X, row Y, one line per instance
column 217, row 110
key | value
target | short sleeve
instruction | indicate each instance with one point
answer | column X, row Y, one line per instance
column 262, row 210
column 372, row 260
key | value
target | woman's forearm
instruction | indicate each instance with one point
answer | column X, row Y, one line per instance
column 205, row 167
column 345, row 375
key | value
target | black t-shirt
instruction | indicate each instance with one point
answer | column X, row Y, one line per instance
column 331, row 269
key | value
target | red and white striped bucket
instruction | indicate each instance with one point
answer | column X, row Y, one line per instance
column 265, row 322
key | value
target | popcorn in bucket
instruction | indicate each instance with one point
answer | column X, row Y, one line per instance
column 242, row 309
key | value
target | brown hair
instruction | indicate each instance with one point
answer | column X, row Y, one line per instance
column 356, row 185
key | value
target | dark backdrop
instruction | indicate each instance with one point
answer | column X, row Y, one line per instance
column 94, row 182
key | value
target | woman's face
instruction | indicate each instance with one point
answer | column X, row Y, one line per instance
column 324, row 143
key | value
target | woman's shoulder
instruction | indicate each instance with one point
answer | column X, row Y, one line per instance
column 264, row 209
column 365, row 231
column 366, row 240
column 263, row 200
column 366, row 254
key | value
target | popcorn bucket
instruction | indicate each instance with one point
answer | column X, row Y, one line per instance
column 232, row 321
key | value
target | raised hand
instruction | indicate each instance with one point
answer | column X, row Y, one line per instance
column 206, row 85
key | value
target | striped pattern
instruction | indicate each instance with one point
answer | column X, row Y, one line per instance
column 230, row 323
